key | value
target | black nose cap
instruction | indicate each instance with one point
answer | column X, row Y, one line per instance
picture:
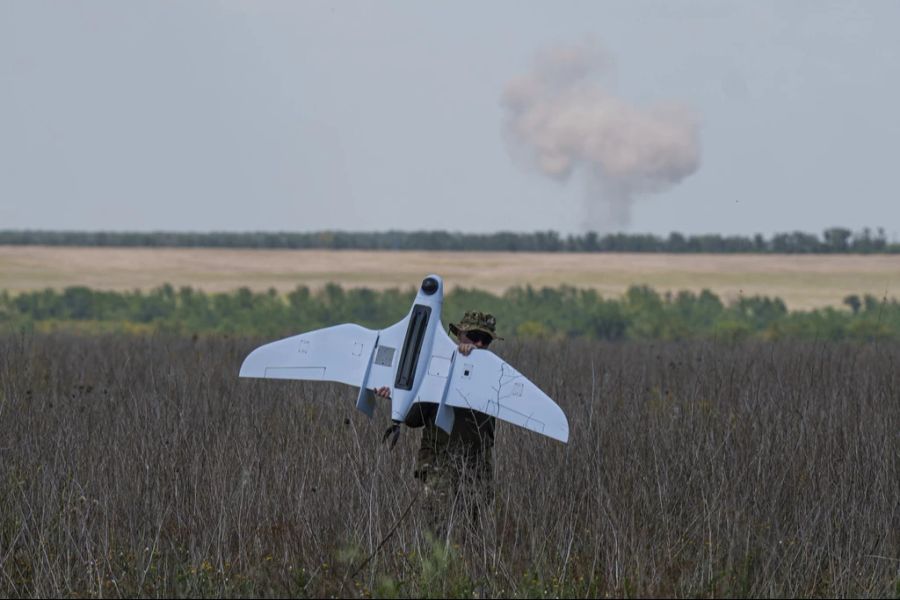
column 430, row 285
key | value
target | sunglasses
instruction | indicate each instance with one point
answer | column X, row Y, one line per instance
column 479, row 337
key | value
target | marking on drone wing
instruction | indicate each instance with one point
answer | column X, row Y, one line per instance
column 384, row 356
column 308, row 373
column 517, row 387
column 439, row 367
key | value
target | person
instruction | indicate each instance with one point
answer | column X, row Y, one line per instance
column 455, row 469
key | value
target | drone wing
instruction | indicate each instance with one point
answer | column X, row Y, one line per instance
column 341, row 353
column 361, row 357
column 482, row 381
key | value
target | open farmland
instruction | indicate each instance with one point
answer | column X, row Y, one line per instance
column 802, row 281
column 142, row 466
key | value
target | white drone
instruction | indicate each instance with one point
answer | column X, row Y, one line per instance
column 419, row 361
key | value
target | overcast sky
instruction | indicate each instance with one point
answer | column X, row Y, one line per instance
column 376, row 115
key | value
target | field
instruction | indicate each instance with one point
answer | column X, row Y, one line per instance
column 802, row 281
column 142, row 466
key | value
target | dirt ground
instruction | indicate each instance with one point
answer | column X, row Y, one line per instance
column 802, row 281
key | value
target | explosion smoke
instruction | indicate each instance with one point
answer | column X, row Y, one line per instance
column 565, row 121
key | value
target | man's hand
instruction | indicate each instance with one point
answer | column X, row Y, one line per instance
column 465, row 348
column 383, row 392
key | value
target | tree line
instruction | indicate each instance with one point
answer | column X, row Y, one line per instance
column 525, row 312
column 832, row 240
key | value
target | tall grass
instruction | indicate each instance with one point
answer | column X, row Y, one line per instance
column 144, row 466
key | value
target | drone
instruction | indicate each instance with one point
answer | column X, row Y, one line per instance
column 419, row 361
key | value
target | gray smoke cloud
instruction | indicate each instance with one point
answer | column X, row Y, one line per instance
column 561, row 119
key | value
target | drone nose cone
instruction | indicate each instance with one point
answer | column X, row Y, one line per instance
column 430, row 285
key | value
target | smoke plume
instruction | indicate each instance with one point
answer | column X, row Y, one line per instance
column 562, row 120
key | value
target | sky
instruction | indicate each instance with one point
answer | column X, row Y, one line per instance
column 696, row 116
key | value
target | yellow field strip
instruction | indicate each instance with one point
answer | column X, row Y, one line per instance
column 802, row 281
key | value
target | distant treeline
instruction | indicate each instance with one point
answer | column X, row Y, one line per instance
column 833, row 240
column 563, row 312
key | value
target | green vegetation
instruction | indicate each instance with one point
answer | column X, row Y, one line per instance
column 834, row 240
column 564, row 312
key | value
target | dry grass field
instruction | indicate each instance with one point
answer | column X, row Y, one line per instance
column 802, row 281
column 142, row 466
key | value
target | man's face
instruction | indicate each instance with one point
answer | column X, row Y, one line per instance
column 476, row 338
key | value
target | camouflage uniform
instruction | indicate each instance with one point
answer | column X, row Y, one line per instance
column 456, row 469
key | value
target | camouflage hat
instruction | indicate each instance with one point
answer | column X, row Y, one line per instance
column 476, row 321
